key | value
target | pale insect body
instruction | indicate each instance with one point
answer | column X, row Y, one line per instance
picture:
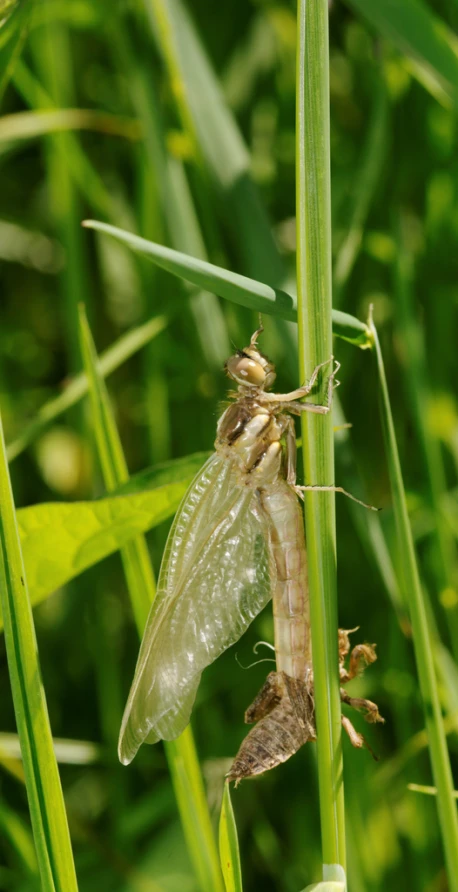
column 236, row 541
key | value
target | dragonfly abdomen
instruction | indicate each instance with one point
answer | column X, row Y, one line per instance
column 290, row 597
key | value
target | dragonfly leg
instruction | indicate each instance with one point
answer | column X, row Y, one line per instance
column 357, row 740
column 305, row 389
column 319, row 488
column 361, row 704
column 361, row 656
column 266, row 700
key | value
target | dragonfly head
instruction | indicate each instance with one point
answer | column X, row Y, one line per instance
column 250, row 367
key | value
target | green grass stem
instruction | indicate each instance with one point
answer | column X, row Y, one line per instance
column 314, row 306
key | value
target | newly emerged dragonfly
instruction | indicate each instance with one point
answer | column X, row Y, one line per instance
column 237, row 541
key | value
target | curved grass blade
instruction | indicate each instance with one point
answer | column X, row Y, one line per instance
column 30, row 124
column 46, row 803
column 440, row 761
column 233, row 286
column 181, row 753
column 229, row 845
column 111, row 359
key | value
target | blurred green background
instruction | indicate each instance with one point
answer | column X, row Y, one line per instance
column 202, row 159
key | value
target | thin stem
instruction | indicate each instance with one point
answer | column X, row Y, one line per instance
column 314, row 298
column 437, row 741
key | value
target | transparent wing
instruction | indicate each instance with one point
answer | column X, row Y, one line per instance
column 217, row 574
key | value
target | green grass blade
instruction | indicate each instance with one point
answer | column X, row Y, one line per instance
column 13, row 34
column 32, row 124
column 46, row 803
column 17, row 833
column 233, row 286
column 82, row 171
column 222, row 146
column 181, row 753
column 416, row 378
column 314, row 294
column 422, row 36
column 69, row 752
column 110, row 359
column 440, row 761
column 229, row 845
column 53, row 54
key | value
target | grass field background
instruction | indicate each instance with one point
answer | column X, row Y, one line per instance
column 178, row 123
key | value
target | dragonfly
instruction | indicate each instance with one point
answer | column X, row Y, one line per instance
column 237, row 541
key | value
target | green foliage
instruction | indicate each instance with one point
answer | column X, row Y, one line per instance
column 173, row 123
column 60, row 539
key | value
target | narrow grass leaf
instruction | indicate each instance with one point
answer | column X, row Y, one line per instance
column 422, row 36
column 427, row 791
column 229, row 845
column 232, row 286
column 440, row 761
column 70, row 752
column 46, row 803
column 111, row 359
column 181, row 753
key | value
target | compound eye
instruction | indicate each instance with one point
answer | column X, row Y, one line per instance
column 246, row 371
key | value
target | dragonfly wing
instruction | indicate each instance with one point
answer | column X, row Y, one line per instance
column 216, row 575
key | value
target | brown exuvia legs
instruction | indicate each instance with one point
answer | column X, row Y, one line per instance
column 284, row 712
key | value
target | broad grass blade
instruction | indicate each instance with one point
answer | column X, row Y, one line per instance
column 44, row 791
column 61, row 539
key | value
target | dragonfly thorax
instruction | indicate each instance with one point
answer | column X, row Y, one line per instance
column 249, row 434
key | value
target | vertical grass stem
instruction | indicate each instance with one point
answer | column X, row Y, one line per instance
column 314, row 297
